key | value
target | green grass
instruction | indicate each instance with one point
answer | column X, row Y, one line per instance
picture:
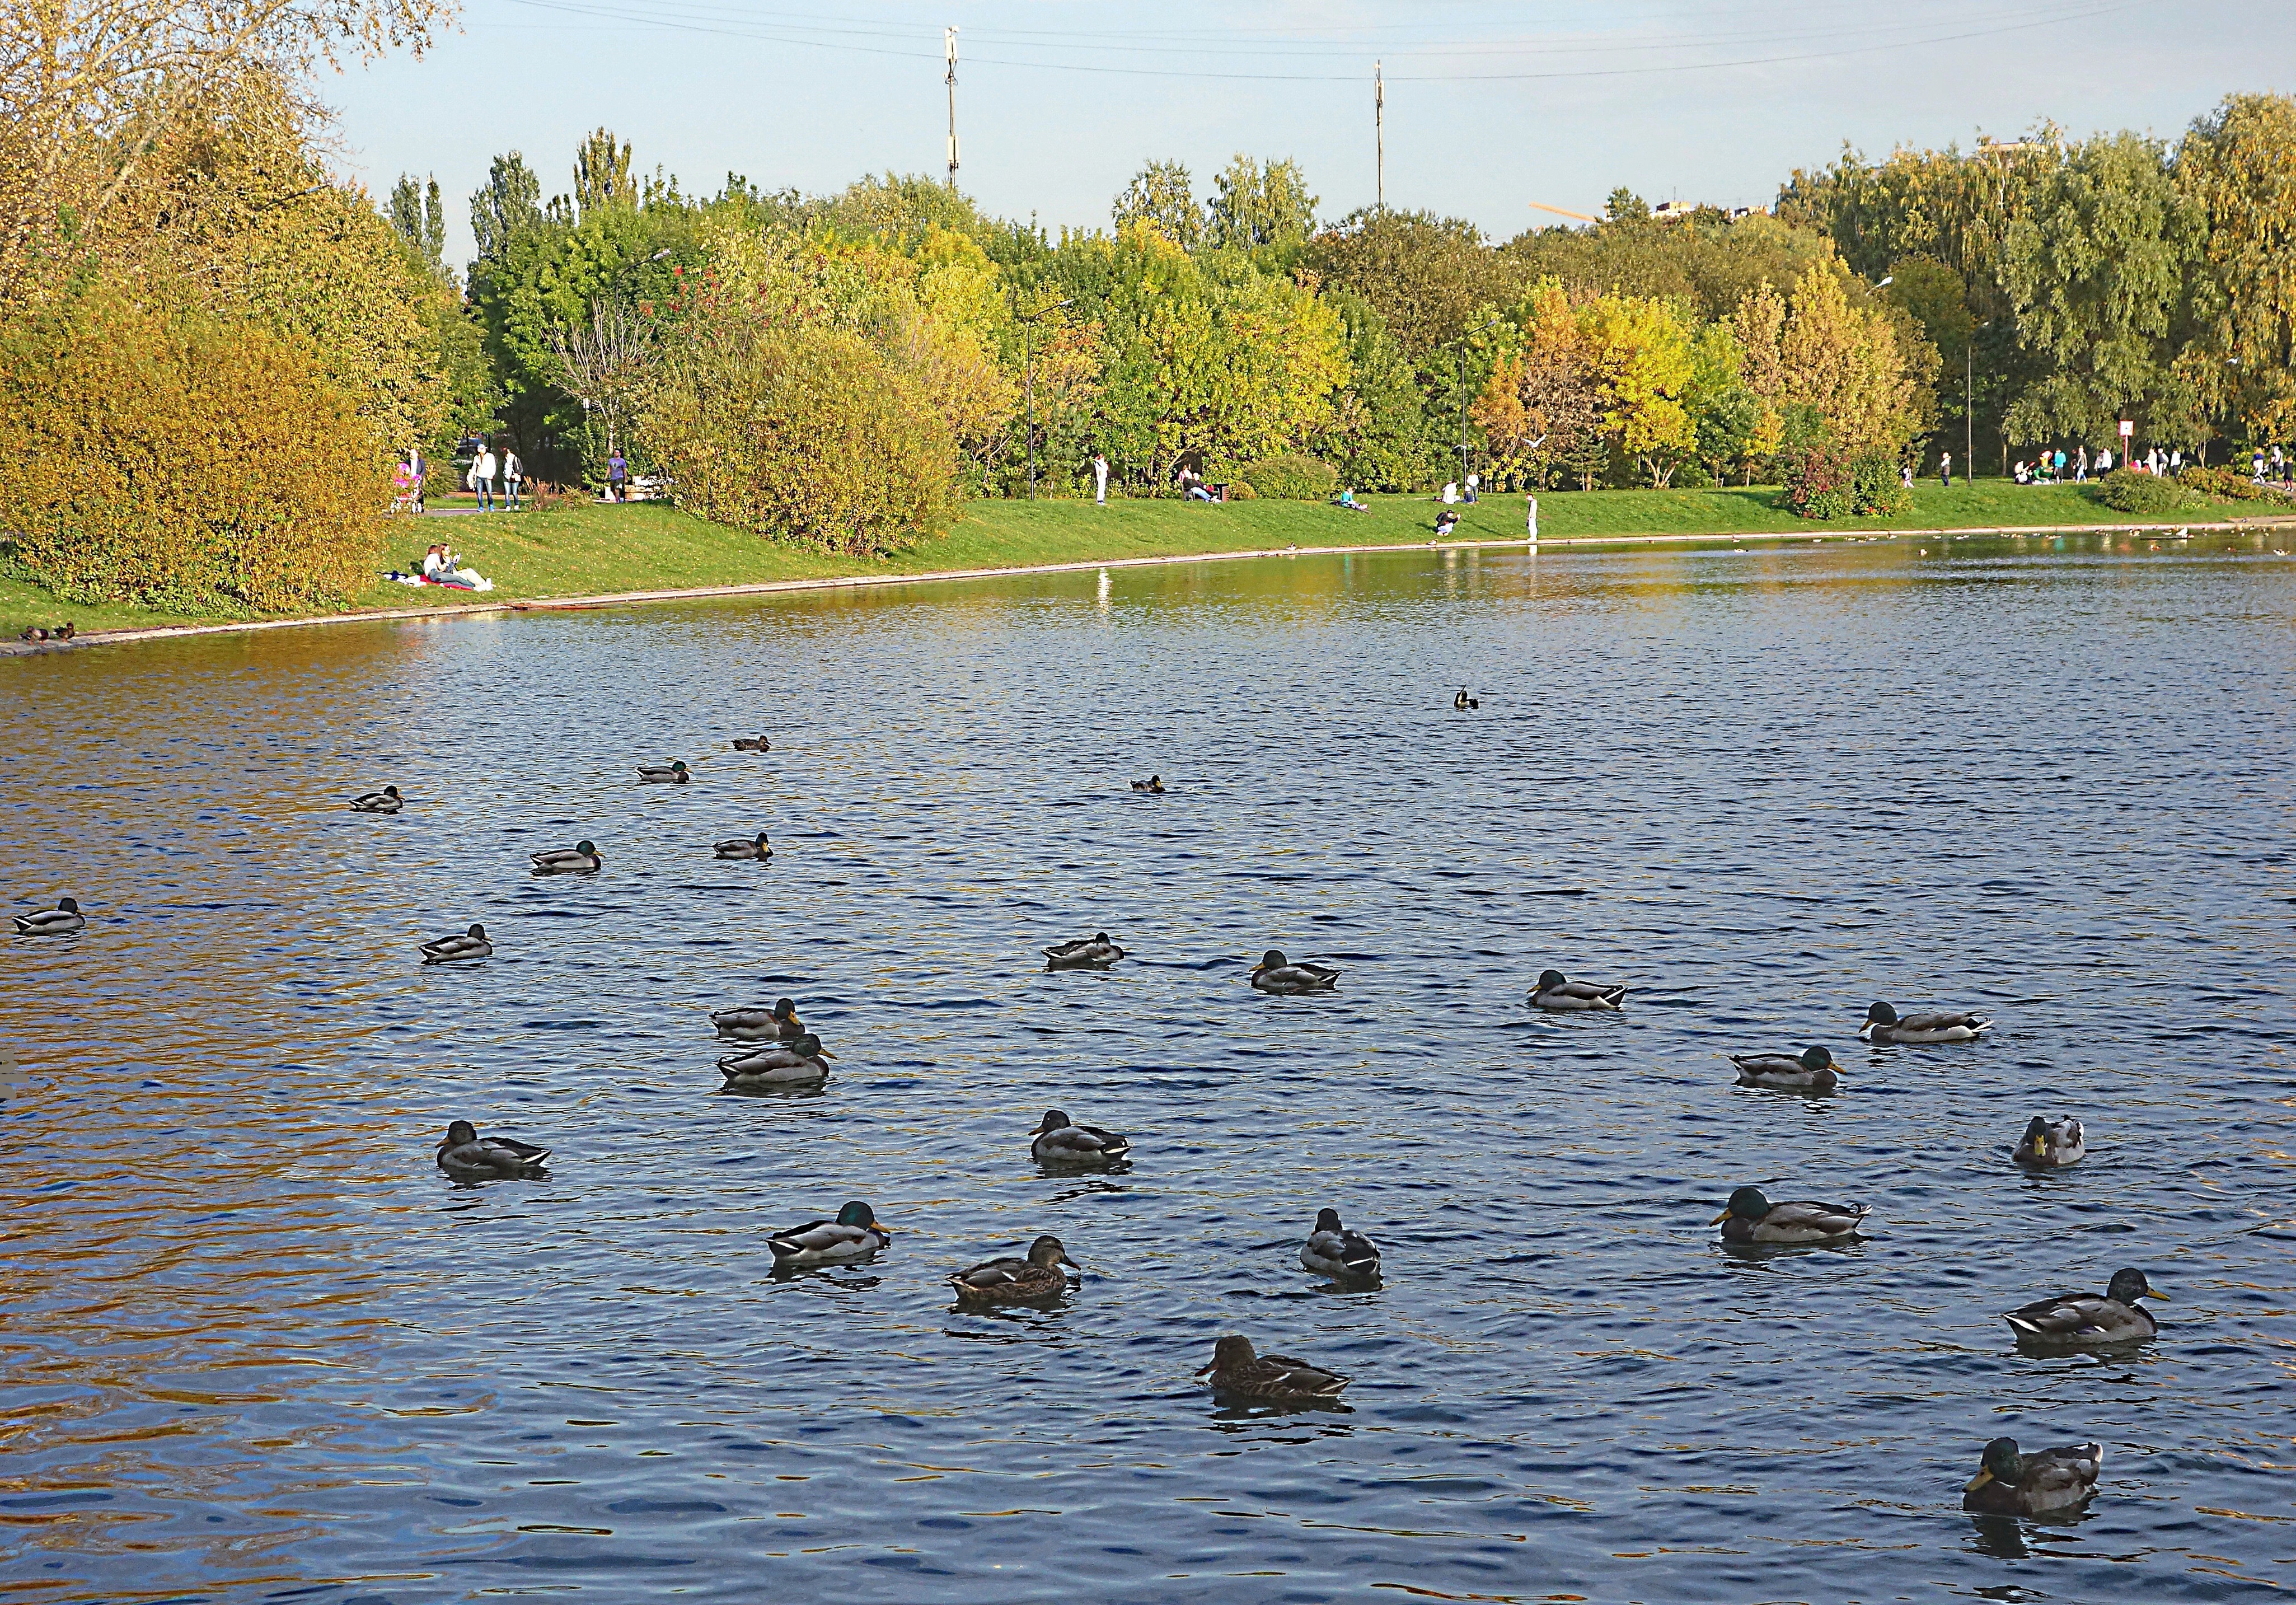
column 586, row 549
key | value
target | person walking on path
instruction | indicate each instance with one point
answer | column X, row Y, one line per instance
column 1945, row 469
column 2279, row 465
column 483, row 478
column 2258, row 475
column 1532, row 519
column 414, row 468
column 513, row 472
column 2080, row 466
column 2104, row 461
column 617, row 477
column 1474, row 482
column 1100, row 479
column 2058, row 464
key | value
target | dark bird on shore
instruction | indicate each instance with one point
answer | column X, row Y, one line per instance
column 1239, row 1372
column 61, row 921
column 1044, row 1274
column 1095, row 951
column 1277, row 974
column 655, row 774
column 63, row 631
column 2091, row 1319
column 467, row 1157
column 2010, row 1484
column 1884, row 1025
column 1750, row 1217
column 581, row 859
column 1812, row 1070
column 1333, row 1250
column 1556, row 991
column 385, row 802
column 734, row 847
column 450, row 950
column 35, row 634
column 1060, row 1141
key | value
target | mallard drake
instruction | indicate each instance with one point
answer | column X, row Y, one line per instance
column 673, row 774
column 1333, row 1250
column 581, row 859
column 752, row 744
column 1240, row 1373
column 386, row 801
column 1278, row 975
column 855, row 1234
column 1809, row 1071
column 756, row 1021
column 2010, row 1484
column 1556, row 991
column 467, row 1157
column 778, row 1065
column 1463, row 702
column 1044, row 1274
column 63, row 631
column 1095, row 951
column 1060, row 1141
column 2049, row 1143
column 736, row 848
column 447, row 949
column 1750, row 1217
column 1883, row 1025
column 61, row 921
column 2091, row 1319
column 1154, row 783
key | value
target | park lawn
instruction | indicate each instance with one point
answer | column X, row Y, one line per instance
column 588, row 548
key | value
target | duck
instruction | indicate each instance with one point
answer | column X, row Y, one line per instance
column 1277, row 974
column 752, row 744
column 855, row 1234
column 1884, row 1025
column 447, row 949
column 64, row 631
column 61, row 921
column 778, row 1064
column 2091, row 1319
column 1463, row 702
column 1154, row 783
column 2047, row 1144
column 1240, row 1371
column 1060, row 1141
column 1750, row 1217
column 1555, row 991
column 35, row 634
column 1811, row 1070
column 734, row 847
column 2010, row 1484
column 672, row 774
column 581, row 859
column 755, row 1021
column 1095, row 951
column 386, row 801
column 1044, row 1274
column 1333, row 1250
column 467, row 1157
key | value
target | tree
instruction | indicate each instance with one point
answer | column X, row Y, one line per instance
column 602, row 175
column 1251, row 205
column 1641, row 359
column 512, row 201
column 1162, row 196
column 421, row 220
column 2237, row 169
column 1541, row 409
column 1421, row 273
column 1826, row 367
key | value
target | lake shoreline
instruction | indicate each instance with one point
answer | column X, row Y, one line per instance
column 638, row 598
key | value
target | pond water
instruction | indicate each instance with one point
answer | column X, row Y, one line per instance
column 257, row 1346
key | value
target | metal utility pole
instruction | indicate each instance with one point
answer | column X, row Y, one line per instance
column 948, row 43
column 1378, row 125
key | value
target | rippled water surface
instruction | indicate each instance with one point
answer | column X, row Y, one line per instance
column 255, row 1347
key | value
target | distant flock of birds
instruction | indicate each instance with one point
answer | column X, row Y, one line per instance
column 775, row 1050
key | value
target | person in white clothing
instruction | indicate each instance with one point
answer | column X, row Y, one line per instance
column 1450, row 492
column 1531, row 521
column 2104, row 461
column 1100, row 479
column 514, row 473
column 1475, row 482
column 483, row 478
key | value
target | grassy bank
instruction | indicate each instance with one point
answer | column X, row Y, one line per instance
column 588, row 550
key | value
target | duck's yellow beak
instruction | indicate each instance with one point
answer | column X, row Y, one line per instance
column 1718, row 1220
column 825, row 1053
column 2156, row 1293
column 1977, row 1482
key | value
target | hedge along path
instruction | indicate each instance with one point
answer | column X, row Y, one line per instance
column 103, row 637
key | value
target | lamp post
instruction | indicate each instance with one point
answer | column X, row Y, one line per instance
column 1028, row 380
column 1459, row 381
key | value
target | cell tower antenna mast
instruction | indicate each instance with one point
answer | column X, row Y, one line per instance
column 948, row 42
column 1378, row 125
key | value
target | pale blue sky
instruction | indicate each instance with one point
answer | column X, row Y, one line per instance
column 1489, row 106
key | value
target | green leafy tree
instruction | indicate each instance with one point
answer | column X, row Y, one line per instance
column 1162, row 196
column 602, row 175
column 2237, row 169
column 421, row 220
column 1253, row 205
column 511, row 202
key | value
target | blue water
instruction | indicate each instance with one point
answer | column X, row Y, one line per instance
column 257, row 1347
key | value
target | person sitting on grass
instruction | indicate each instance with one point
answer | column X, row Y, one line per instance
column 1446, row 521
column 1347, row 498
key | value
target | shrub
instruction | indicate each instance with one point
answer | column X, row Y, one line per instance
column 1292, row 477
column 2145, row 495
column 1822, row 482
column 1877, row 488
column 182, row 461
column 806, row 433
column 2233, row 487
